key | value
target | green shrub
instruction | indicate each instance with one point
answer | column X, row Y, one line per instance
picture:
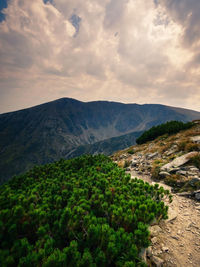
column 130, row 151
column 170, row 127
column 81, row 212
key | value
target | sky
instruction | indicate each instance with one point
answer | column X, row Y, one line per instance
column 130, row 51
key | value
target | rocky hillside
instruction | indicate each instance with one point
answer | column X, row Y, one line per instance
column 54, row 130
column 174, row 160
column 174, row 163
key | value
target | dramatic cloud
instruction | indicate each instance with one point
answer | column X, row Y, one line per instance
column 123, row 50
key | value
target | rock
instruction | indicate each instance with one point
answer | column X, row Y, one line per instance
column 154, row 240
column 172, row 215
column 197, row 196
column 165, row 249
column 149, row 251
column 179, row 161
column 155, row 230
column 182, row 172
column 194, row 181
column 164, row 174
column 195, row 139
column 157, row 261
column 194, row 169
column 151, row 156
column 172, row 150
column 174, row 237
column 174, row 170
column 133, row 163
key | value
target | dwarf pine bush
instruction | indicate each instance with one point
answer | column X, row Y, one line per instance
column 80, row 212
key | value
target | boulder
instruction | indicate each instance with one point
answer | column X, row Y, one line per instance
column 152, row 155
column 164, row 174
column 195, row 139
column 179, row 161
column 194, row 169
column 182, row 172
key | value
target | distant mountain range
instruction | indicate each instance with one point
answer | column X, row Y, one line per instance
column 66, row 128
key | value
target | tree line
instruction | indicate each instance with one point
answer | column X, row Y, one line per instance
column 168, row 128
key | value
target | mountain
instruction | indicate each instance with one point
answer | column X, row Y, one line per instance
column 107, row 146
column 53, row 130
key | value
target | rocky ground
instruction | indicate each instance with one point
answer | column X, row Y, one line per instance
column 176, row 241
column 173, row 161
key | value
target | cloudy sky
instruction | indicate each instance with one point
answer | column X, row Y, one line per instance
column 131, row 51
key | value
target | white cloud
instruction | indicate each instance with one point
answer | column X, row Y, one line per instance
column 122, row 50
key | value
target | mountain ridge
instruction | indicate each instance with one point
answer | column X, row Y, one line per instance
column 49, row 131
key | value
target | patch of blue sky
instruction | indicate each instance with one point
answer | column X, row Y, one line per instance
column 3, row 4
column 75, row 21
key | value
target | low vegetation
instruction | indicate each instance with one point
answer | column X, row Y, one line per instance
column 81, row 212
column 164, row 129
column 196, row 161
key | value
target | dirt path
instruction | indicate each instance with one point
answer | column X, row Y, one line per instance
column 178, row 241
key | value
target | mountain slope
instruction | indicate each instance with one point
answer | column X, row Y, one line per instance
column 107, row 146
column 50, row 131
column 172, row 161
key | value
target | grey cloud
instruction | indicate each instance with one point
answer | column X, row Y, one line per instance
column 114, row 12
column 123, row 51
column 185, row 12
column 18, row 53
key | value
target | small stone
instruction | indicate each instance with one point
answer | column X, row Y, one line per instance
column 133, row 163
column 157, row 261
column 165, row 249
column 151, row 156
column 149, row 251
column 155, row 230
column 154, row 240
column 179, row 232
column 197, row 196
column 174, row 237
